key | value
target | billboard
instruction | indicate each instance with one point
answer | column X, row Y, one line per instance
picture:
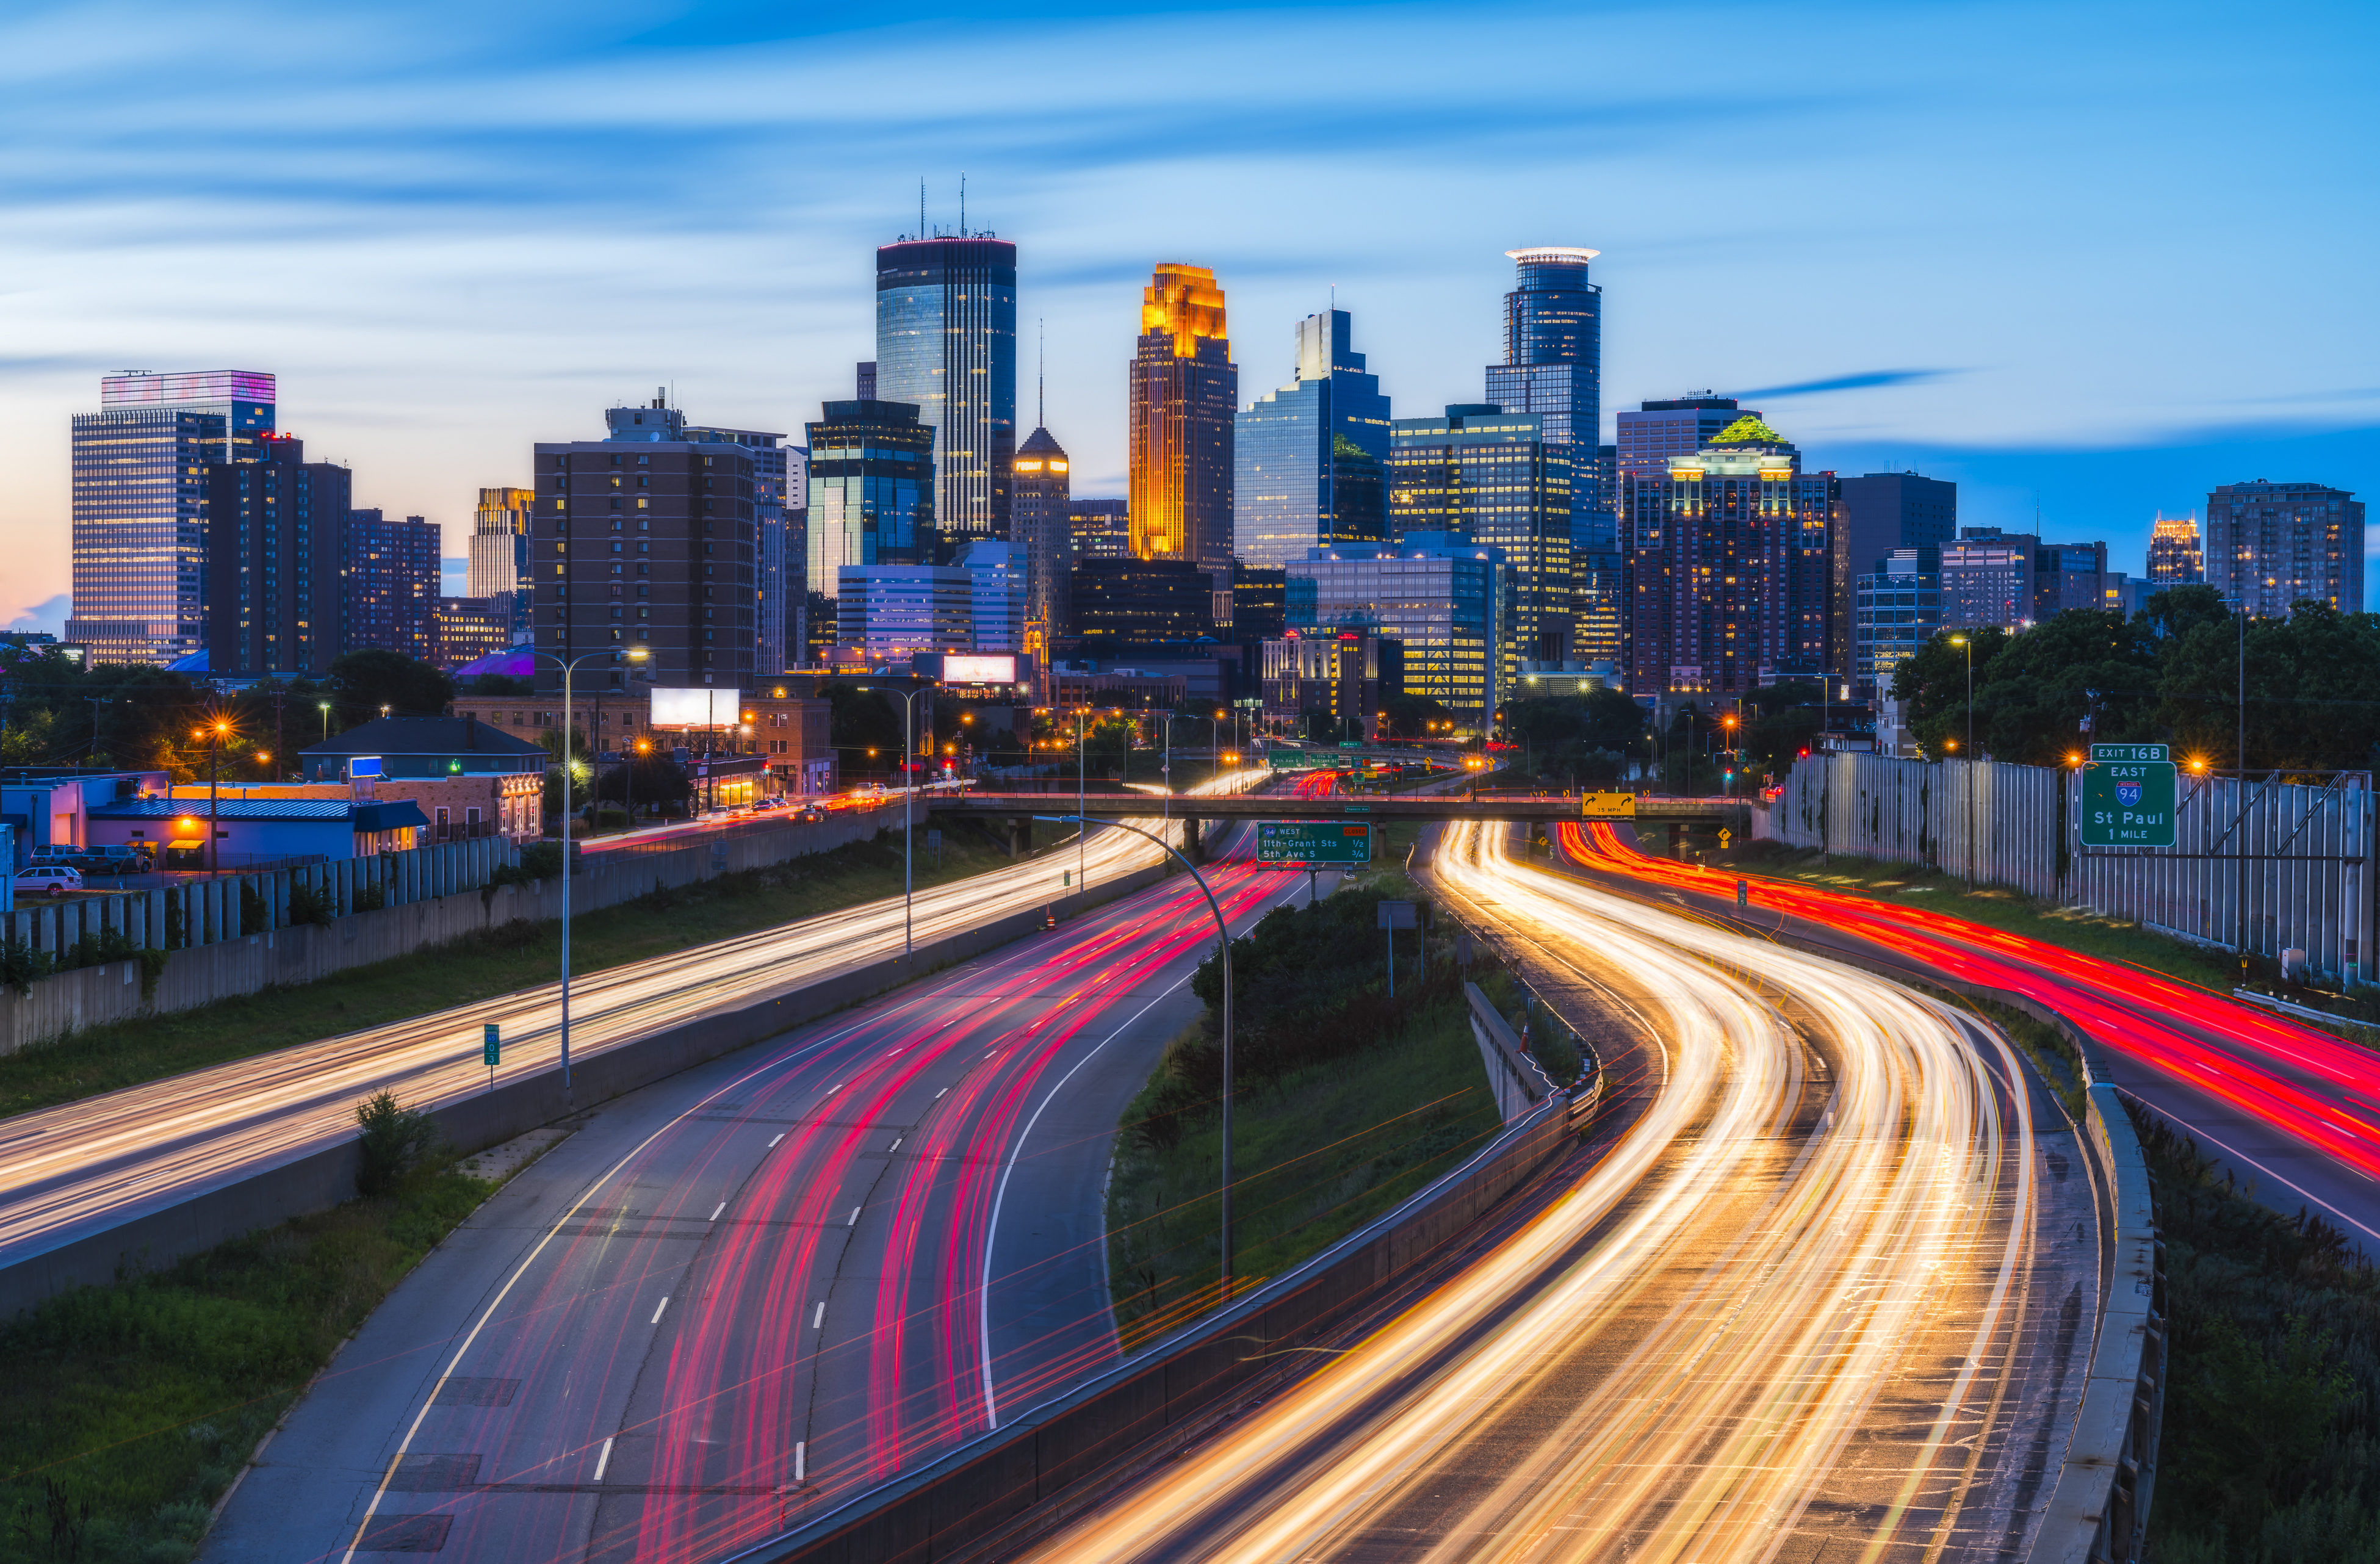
column 697, row 708
column 979, row 670
column 1313, row 842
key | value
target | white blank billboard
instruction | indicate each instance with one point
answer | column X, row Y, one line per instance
column 697, row 708
column 972, row 669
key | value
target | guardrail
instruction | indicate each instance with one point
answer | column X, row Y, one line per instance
column 1062, row 1454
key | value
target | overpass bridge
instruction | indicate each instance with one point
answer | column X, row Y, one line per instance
column 1681, row 815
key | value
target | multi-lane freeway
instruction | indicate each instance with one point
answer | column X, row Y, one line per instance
column 1829, row 1293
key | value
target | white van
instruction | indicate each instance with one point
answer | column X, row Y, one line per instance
column 48, row 880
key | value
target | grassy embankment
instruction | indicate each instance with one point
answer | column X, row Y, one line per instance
column 503, row 960
column 2271, row 1447
column 1348, row 1102
column 127, row 1410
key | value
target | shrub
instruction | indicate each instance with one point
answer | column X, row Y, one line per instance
column 394, row 1141
column 309, row 903
column 370, row 898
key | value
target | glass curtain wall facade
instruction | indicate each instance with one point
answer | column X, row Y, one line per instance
column 1896, row 608
column 1490, row 477
column 1729, row 561
column 1443, row 598
column 1310, row 458
column 871, row 491
column 1185, row 401
column 139, row 498
column 947, row 343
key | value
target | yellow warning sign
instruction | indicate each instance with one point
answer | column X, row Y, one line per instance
column 1608, row 805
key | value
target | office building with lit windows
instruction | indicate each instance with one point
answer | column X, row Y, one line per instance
column 1729, row 569
column 140, row 505
column 946, row 344
column 871, row 491
column 1041, row 522
column 1896, row 608
column 1491, row 478
column 1440, row 597
column 1553, row 366
column 645, row 539
column 1310, row 459
column 779, row 473
column 497, row 560
column 2270, row 545
column 2176, row 558
column 390, row 594
column 275, row 528
column 1103, row 528
column 1184, row 398
column 1652, row 433
column 1135, row 603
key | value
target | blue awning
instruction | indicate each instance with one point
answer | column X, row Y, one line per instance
column 395, row 814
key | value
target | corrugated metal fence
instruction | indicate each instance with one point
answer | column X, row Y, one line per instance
column 2305, row 850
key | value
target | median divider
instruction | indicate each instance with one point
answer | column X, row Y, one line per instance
column 999, row 1488
column 320, row 1179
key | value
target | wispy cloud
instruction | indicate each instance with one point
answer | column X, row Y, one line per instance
column 1847, row 383
column 50, row 616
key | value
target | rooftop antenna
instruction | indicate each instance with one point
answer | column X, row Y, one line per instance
column 963, row 206
column 1040, row 373
column 921, row 206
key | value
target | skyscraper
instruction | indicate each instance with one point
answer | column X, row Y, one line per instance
column 390, row 596
column 1884, row 512
column 946, row 342
column 1103, row 528
column 499, row 553
column 645, row 537
column 1490, row 477
column 1041, row 523
column 2174, row 557
column 1729, row 561
column 1310, row 457
column 773, row 468
column 1184, row 395
column 276, row 526
column 1653, row 432
column 140, row 505
column 1987, row 578
column 871, row 494
column 2269, row 545
column 1553, row 365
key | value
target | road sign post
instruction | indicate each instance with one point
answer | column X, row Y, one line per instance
column 1313, row 843
column 1393, row 916
column 1607, row 806
column 492, row 1050
column 2128, row 793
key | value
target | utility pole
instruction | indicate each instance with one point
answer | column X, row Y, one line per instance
column 2240, row 753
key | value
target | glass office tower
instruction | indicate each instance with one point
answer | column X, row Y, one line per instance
column 871, row 500
column 1310, row 457
column 1553, row 362
column 140, row 505
column 1492, row 478
column 946, row 342
column 1184, row 398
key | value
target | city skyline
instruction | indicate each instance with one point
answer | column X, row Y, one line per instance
column 401, row 332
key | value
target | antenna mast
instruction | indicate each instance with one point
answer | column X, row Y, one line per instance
column 963, row 206
column 1040, row 373
column 921, row 207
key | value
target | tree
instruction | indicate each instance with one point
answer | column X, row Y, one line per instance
column 1414, row 716
column 1933, row 681
column 1575, row 738
column 363, row 682
column 2032, row 700
column 2313, row 690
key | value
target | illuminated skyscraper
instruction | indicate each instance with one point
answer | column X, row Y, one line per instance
column 946, row 342
column 1488, row 476
column 2174, row 557
column 1184, row 394
column 2268, row 545
column 871, row 495
column 140, row 505
column 1553, row 366
column 1310, row 457
column 499, row 557
column 1041, row 522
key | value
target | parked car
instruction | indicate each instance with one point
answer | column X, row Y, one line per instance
column 48, row 880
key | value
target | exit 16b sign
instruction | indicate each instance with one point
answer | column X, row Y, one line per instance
column 2128, row 797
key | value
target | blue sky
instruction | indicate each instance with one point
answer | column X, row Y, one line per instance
column 2090, row 258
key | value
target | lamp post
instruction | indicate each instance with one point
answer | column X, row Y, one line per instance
column 568, row 667
column 326, row 720
column 1223, row 947
column 908, row 816
column 2239, row 755
column 214, row 733
column 1970, row 648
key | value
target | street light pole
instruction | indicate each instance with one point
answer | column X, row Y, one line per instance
column 908, row 819
column 1223, row 946
column 2240, row 753
column 568, row 667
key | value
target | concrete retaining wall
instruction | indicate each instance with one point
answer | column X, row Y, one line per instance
column 318, row 1180
column 1067, row 1448
column 434, row 895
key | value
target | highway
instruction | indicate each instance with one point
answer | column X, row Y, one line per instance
column 809, row 1268
column 2293, row 1108
column 85, row 1166
column 1827, row 1295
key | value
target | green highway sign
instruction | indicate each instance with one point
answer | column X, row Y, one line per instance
column 1297, row 760
column 1330, row 843
column 2128, row 793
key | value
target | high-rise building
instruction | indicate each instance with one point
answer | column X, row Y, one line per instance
column 946, row 342
column 1896, row 608
column 1141, row 603
column 2069, row 575
column 1553, row 358
column 2174, row 557
column 1041, row 521
column 645, row 537
column 465, row 629
column 274, row 530
column 2269, row 545
column 1654, row 432
column 1440, row 597
column 899, row 610
column 140, row 505
column 1730, row 556
column 1329, row 683
column 390, row 591
column 1259, row 602
column 1185, row 396
column 1103, row 528
column 871, row 482
column 1987, row 578
column 1491, row 478
column 775, row 573
column 1884, row 512
column 1310, row 457
column 497, row 566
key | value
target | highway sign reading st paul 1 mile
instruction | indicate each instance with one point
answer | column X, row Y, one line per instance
column 2128, row 797
column 1326, row 843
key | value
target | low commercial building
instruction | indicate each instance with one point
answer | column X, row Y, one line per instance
column 50, row 805
column 469, row 777
column 246, row 833
column 1334, row 681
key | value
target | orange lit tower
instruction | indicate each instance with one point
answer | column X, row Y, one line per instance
column 1184, row 394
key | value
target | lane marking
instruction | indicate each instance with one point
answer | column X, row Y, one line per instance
column 603, row 1461
column 894, row 1146
column 2190, row 1129
column 772, row 1144
column 855, row 1218
column 819, row 1317
column 943, row 1093
column 658, row 1307
column 801, row 1448
column 715, row 1210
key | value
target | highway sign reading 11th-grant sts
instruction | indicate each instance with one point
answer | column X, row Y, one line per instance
column 1327, row 843
column 2128, row 797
